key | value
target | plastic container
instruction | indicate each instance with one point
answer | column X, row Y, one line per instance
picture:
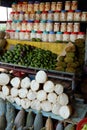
column 74, row 5
column 26, row 16
column 56, row 27
column 66, row 36
column 36, row 25
column 59, row 36
column 25, row 6
column 81, row 35
column 36, row 6
column 12, row 16
column 77, row 15
column 30, row 6
column 47, row 6
column 16, row 16
column 21, row 34
column 13, row 25
column 45, row 36
column 44, row 15
column 32, row 16
column 19, row 6
column 49, row 26
column 24, row 25
column 42, row 25
column 53, row 6
column 70, row 27
column 9, row 25
column 51, row 36
column 63, row 15
column 38, row 15
column 84, row 16
column 56, row 16
column 67, row 5
column 63, row 27
column 73, row 36
column 21, row 16
column 32, row 34
column 16, row 35
column 14, row 7
column 76, row 27
column 18, row 25
column 70, row 15
column 59, row 6
column 39, row 35
column 42, row 6
column 30, row 24
column 27, row 35
column 12, row 34
column 50, row 15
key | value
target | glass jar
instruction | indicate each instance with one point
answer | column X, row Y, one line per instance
column 81, row 35
column 9, row 25
column 30, row 24
column 73, row 36
column 24, row 25
column 21, row 16
column 59, row 6
column 14, row 7
column 47, row 6
column 44, row 15
column 36, row 25
column 67, row 5
column 56, row 27
column 63, row 27
column 51, row 36
column 42, row 25
column 56, row 16
column 16, row 36
column 74, row 5
column 26, row 16
column 13, row 25
column 38, row 15
column 59, row 36
column 50, row 15
column 77, row 15
column 70, row 27
column 32, row 34
column 39, row 35
column 32, row 16
column 70, row 15
column 63, row 15
column 53, row 6
column 19, row 7
column 18, row 25
column 27, row 35
column 12, row 34
column 49, row 26
column 21, row 34
column 25, row 6
column 12, row 16
column 76, row 27
column 30, row 6
column 45, row 36
column 36, row 6
column 84, row 16
column 42, row 6
column 16, row 16
column 66, row 36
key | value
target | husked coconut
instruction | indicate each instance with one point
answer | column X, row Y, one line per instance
column 25, row 103
column 6, row 90
column 25, row 82
column 14, row 92
column 23, row 92
column 56, row 108
column 59, row 88
column 34, row 85
column 31, row 95
column 46, row 106
column 35, row 104
column 41, row 76
column 48, row 86
column 41, row 95
column 52, row 97
column 10, row 98
column 15, row 82
column 4, row 79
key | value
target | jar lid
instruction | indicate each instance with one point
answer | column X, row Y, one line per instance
column 36, row 21
column 59, row 33
column 30, row 21
column 45, row 12
column 33, row 31
column 27, row 31
column 66, row 32
column 22, row 30
column 24, row 2
column 50, row 11
column 17, row 31
column 49, row 21
column 14, row 3
column 70, row 10
column 9, row 21
column 45, row 32
column 43, row 21
column 16, row 12
column 51, row 32
column 12, row 12
column 57, row 11
column 24, row 21
column 12, row 30
column 20, row 3
column 7, row 30
column 38, row 12
column 81, row 33
column 63, row 11
column 73, row 32
column 39, row 31
column 21, row 12
column 77, row 10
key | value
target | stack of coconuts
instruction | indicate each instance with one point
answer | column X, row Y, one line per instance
column 2, row 40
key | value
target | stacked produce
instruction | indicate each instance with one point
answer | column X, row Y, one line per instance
column 73, row 58
column 27, row 55
column 12, row 119
column 40, row 93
